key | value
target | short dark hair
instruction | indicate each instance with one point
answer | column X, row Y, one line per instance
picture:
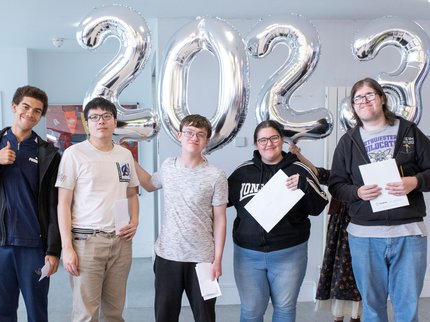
column 33, row 92
column 197, row 121
column 101, row 103
column 265, row 124
column 389, row 115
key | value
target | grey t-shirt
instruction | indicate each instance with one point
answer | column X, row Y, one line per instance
column 190, row 194
column 380, row 144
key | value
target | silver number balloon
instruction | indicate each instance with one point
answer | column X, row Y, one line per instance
column 274, row 98
column 346, row 114
column 130, row 28
column 402, row 86
column 224, row 42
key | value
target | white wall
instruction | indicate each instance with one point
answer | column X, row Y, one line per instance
column 13, row 73
column 66, row 76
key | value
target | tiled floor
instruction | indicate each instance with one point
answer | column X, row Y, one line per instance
column 140, row 297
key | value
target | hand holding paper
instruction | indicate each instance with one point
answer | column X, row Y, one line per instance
column 381, row 173
column 208, row 287
column 44, row 270
column 274, row 196
column 403, row 187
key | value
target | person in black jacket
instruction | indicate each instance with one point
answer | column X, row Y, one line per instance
column 271, row 265
column 388, row 247
column 29, row 234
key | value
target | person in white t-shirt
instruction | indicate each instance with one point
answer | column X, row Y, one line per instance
column 96, row 177
column 193, row 226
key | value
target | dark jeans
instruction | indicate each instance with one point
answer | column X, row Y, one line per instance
column 19, row 271
column 171, row 279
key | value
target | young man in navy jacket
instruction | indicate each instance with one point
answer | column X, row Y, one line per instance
column 29, row 235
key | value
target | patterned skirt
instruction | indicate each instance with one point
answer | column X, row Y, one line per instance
column 336, row 277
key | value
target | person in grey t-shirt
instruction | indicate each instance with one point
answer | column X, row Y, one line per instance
column 194, row 222
column 389, row 246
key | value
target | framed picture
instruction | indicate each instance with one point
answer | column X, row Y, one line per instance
column 65, row 125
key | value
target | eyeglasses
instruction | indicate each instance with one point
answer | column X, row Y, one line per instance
column 97, row 117
column 274, row 139
column 359, row 99
column 191, row 134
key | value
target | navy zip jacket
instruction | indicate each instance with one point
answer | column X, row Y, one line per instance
column 294, row 227
column 412, row 155
column 49, row 159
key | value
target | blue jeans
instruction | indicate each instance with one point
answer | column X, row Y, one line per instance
column 389, row 266
column 277, row 275
column 19, row 271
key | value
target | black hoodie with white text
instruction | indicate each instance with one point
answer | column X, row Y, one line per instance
column 294, row 228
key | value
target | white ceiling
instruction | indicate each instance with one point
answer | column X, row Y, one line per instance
column 33, row 23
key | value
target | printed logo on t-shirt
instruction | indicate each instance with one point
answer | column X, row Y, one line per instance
column 380, row 155
column 123, row 171
column 249, row 189
column 380, row 148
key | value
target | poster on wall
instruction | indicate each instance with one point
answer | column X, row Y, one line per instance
column 65, row 125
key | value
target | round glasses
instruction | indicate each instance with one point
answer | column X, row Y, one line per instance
column 274, row 139
column 359, row 99
column 191, row 134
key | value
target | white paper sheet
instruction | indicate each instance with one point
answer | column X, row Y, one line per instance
column 273, row 201
column 381, row 173
column 208, row 287
column 120, row 213
column 44, row 270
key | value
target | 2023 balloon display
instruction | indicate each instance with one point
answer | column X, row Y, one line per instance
column 274, row 98
column 402, row 86
column 224, row 42
column 130, row 28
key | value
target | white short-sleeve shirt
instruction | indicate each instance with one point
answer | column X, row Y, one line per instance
column 98, row 179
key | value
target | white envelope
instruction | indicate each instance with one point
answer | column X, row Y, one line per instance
column 120, row 213
column 208, row 287
column 273, row 201
column 381, row 173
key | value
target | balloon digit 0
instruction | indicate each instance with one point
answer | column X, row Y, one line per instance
column 216, row 36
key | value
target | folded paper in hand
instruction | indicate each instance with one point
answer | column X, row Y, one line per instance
column 44, row 270
column 381, row 173
column 273, row 201
column 120, row 213
column 208, row 287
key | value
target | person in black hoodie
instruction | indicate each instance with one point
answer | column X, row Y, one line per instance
column 388, row 247
column 271, row 265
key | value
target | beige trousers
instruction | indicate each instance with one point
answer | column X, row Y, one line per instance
column 99, row 290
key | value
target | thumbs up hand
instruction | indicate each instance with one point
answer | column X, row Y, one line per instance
column 7, row 155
